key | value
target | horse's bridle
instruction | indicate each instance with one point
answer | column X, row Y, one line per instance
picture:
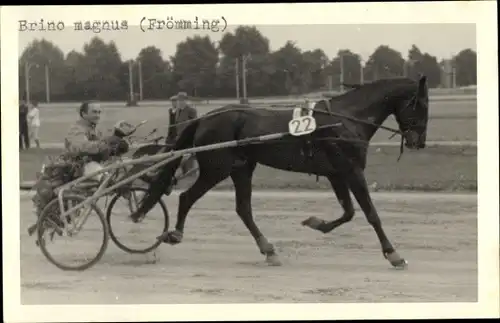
column 404, row 128
column 410, row 126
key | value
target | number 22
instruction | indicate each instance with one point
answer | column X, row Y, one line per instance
column 302, row 125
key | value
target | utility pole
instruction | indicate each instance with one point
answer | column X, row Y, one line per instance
column 361, row 73
column 27, row 81
column 130, row 80
column 47, row 84
column 341, row 72
column 237, row 80
column 27, row 67
column 244, row 72
column 454, row 76
column 139, row 67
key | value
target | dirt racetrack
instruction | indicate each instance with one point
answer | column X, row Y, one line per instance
column 218, row 261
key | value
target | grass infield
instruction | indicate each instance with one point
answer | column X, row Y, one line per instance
column 440, row 168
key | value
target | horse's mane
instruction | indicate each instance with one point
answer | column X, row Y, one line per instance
column 374, row 86
column 362, row 91
column 352, row 85
column 380, row 82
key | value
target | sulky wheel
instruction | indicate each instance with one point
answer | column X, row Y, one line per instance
column 83, row 230
column 140, row 237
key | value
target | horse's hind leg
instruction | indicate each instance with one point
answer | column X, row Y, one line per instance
column 242, row 179
column 341, row 190
column 207, row 179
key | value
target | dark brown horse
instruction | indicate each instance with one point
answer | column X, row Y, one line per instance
column 337, row 153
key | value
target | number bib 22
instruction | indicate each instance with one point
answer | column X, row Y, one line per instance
column 301, row 124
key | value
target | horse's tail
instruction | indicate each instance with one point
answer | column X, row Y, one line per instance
column 146, row 150
column 164, row 178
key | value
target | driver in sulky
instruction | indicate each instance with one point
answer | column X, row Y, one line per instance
column 85, row 149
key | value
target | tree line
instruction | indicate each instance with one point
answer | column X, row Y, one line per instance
column 204, row 68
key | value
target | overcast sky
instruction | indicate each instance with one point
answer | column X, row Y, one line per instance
column 441, row 40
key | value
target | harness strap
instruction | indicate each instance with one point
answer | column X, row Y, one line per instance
column 336, row 114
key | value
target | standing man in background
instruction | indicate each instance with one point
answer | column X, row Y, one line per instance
column 34, row 123
column 179, row 115
column 23, row 126
column 172, row 130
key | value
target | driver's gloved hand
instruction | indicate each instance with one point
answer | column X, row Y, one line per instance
column 117, row 145
column 122, row 147
column 118, row 133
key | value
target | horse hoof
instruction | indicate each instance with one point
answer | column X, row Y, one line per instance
column 173, row 237
column 31, row 230
column 273, row 260
column 163, row 237
column 313, row 223
column 402, row 264
column 136, row 218
column 396, row 260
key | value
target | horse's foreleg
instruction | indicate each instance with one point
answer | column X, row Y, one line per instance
column 359, row 187
column 341, row 190
column 242, row 179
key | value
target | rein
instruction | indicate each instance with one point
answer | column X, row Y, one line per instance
column 329, row 112
column 289, row 107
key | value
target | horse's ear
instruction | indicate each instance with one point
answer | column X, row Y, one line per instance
column 422, row 86
column 422, row 79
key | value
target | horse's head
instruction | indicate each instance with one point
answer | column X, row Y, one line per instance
column 412, row 115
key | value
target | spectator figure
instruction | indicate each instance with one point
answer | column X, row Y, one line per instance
column 179, row 116
column 24, row 140
column 34, row 123
column 172, row 130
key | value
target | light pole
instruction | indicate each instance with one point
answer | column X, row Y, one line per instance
column 361, row 70
column 47, row 84
column 330, row 83
column 453, row 70
column 449, row 73
column 244, row 59
column 27, row 67
column 139, row 67
column 408, row 66
column 454, row 77
column 131, row 80
column 237, row 76
column 288, row 81
column 341, row 56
